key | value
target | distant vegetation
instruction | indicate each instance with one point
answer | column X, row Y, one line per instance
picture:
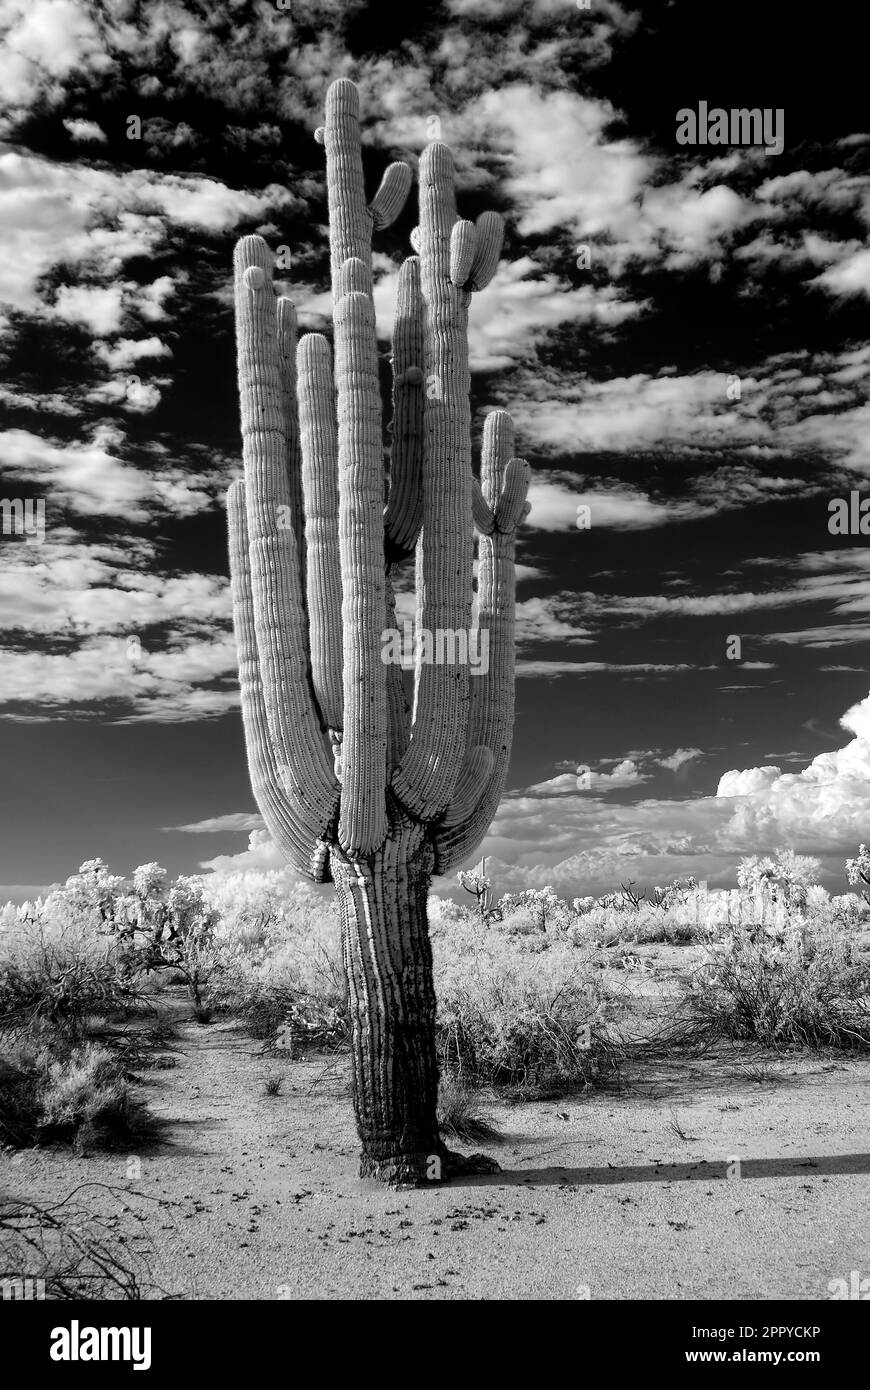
column 536, row 994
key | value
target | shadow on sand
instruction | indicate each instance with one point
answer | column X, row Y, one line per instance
column 822, row 1166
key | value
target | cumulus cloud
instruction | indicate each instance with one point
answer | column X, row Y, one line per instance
column 131, row 394
column 258, row 862
column 85, row 132
column 521, row 303
column 826, row 805
column 55, row 588
column 626, row 773
column 44, row 41
column 555, row 506
column 90, row 479
column 55, row 214
column 783, row 410
column 126, row 683
column 850, row 276
column 98, row 307
column 553, row 833
column 121, row 355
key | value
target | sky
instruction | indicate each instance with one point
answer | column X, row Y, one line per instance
column 680, row 332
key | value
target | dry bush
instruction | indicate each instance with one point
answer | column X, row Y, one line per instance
column 57, row 973
column 54, row 1092
column 75, row 1253
column 800, row 986
column 522, row 1013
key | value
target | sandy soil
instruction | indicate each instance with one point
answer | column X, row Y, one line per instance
column 250, row 1196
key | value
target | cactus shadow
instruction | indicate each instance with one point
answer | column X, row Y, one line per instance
column 823, row 1165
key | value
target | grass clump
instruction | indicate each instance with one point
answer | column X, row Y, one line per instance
column 525, row 1014
column 77, row 1094
column 461, row 1115
column 796, row 988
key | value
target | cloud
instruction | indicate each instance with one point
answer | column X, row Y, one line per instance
column 555, row 506
column 851, row 276
column 521, row 304
column 68, row 585
column 94, row 220
column 85, row 131
column 553, row 833
column 531, row 668
column 260, row 860
column 236, row 821
column 89, row 479
column 626, row 773
column 170, row 685
column 825, row 806
column 121, row 355
column 97, row 307
column 783, row 410
column 44, row 41
column 132, row 395
column 680, row 757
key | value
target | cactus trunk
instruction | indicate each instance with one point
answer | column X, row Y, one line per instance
column 391, row 998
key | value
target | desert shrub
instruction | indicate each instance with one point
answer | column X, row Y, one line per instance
column 54, row 972
column 60, row 1093
column 88, row 946
column 288, row 984
column 521, row 1010
column 534, row 910
column 849, row 911
column 784, row 988
column 517, row 1013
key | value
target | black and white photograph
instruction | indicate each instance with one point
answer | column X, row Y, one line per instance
column 435, row 671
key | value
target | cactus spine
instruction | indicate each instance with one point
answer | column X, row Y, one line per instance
column 352, row 784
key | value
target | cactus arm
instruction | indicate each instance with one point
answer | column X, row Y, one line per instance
column 320, row 487
column 361, row 536
column 391, row 196
column 515, row 485
column 287, row 335
column 476, row 772
column 279, row 617
column 503, row 485
column 403, row 515
column 489, row 236
column 350, row 220
column 463, row 244
column 427, row 775
column 279, row 806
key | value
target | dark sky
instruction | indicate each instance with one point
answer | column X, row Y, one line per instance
column 714, row 270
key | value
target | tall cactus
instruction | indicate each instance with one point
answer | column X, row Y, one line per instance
column 352, row 785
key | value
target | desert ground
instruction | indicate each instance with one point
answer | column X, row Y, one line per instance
column 736, row 1174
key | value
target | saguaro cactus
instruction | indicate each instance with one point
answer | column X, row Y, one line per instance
column 351, row 784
